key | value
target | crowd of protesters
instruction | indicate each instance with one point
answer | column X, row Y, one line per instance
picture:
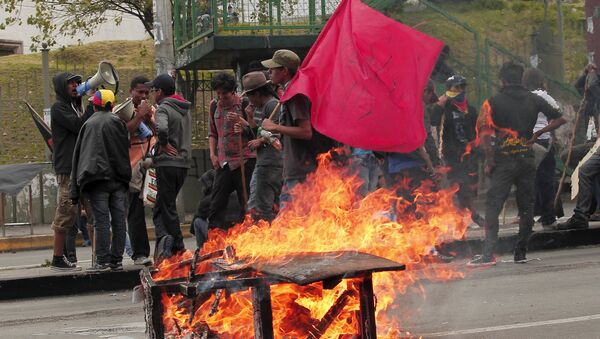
column 261, row 148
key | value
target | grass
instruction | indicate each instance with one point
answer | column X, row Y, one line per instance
column 21, row 80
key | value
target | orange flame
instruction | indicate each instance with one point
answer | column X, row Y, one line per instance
column 486, row 128
column 326, row 215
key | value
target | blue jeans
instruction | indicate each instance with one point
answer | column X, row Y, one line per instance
column 108, row 204
column 368, row 170
column 267, row 181
column 285, row 197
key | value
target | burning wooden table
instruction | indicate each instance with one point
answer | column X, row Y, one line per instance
column 212, row 276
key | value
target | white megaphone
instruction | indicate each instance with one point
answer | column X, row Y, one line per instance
column 124, row 110
column 106, row 75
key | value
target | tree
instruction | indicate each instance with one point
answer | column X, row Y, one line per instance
column 72, row 17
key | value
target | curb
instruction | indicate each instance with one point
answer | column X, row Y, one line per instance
column 57, row 284
column 45, row 241
column 539, row 241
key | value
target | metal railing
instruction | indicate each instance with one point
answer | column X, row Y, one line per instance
column 195, row 20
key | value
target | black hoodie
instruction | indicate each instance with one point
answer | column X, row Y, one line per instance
column 65, row 123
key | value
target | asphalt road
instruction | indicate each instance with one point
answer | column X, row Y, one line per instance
column 555, row 297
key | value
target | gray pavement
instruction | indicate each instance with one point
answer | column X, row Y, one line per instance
column 554, row 297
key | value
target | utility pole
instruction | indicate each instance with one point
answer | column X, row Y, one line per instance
column 561, row 38
column 46, row 88
column 163, row 37
column 592, row 30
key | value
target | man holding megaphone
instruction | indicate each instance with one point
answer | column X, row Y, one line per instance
column 66, row 121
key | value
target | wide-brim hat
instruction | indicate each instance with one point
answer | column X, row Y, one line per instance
column 253, row 81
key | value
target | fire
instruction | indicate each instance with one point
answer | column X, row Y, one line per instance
column 325, row 216
column 486, row 128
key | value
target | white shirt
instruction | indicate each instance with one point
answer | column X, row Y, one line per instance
column 542, row 121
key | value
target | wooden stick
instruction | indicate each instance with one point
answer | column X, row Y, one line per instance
column 275, row 110
column 572, row 142
column 242, row 169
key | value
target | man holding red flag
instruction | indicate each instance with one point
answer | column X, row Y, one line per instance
column 299, row 157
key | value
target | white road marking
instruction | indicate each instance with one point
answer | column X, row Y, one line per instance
column 513, row 326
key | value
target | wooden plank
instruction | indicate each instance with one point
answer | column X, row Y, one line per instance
column 306, row 268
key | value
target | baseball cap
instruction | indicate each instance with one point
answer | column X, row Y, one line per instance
column 75, row 77
column 456, row 80
column 164, row 82
column 283, row 58
column 103, row 97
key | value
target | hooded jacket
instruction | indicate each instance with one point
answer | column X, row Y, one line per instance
column 65, row 123
column 174, row 126
column 101, row 153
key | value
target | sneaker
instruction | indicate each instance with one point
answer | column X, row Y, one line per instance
column 72, row 259
column 478, row 219
column 574, row 223
column 549, row 226
column 481, row 261
column 86, row 243
column 142, row 261
column 116, row 266
column 520, row 258
column 62, row 264
column 104, row 267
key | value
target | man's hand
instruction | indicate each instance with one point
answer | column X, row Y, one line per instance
column 144, row 109
column 442, row 100
column 530, row 142
column 237, row 128
column 234, row 117
column 256, row 143
column 489, row 166
column 168, row 149
column 250, row 111
column 269, row 125
column 215, row 161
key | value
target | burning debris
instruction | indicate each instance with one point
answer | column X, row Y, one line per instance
column 309, row 273
column 229, row 275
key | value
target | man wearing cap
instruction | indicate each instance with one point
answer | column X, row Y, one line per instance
column 66, row 121
column 299, row 156
column 267, row 176
column 101, row 172
column 172, row 159
column 455, row 120
column 228, row 139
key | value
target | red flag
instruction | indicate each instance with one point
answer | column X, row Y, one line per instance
column 365, row 77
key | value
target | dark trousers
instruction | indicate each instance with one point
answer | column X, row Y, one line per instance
column 510, row 170
column 464, row 174
column 136, row 226
column 545, row 190
column 588, row 173
column 227, row 181
column 108, row 205
column 169, row 181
